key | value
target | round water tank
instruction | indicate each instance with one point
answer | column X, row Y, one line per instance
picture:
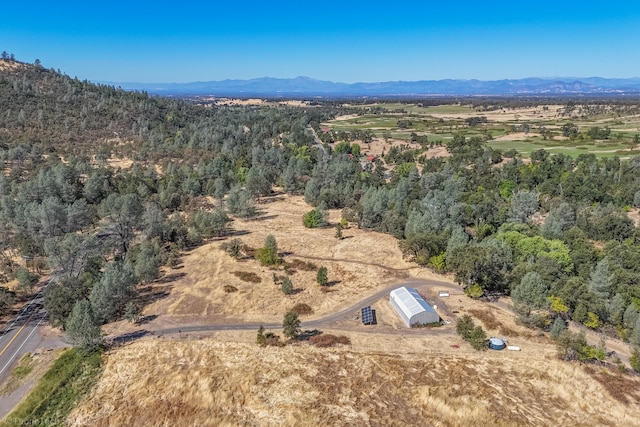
column 496, row 344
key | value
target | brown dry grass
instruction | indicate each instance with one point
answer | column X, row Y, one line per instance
column 329, row 340
column 301, row 309
column 524, row 114
column 358, row 265
column 11, row 65
column 634, row 215
column 213, row 383
column 247, row 276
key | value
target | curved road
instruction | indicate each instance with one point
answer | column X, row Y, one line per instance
column 343, row 314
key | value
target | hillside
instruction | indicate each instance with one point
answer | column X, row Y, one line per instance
column 217, row 383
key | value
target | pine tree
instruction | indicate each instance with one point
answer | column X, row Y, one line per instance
column 321, row 277
column 558, row 326
column 115, row 289
column 291, row 325
column 82, row 328
column 261, row 339
column 530, row 294
column 287, row 286
column 601, row 280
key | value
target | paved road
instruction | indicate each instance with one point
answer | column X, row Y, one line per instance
column 317, row 140
column 22, row 335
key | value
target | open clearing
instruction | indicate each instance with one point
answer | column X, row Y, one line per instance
column 359, row 264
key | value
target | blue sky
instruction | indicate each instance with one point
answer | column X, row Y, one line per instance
column 346, row 41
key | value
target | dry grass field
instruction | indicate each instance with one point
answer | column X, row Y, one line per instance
column 358, row 265
column 215, row 383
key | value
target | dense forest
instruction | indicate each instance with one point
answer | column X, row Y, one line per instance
column 553, row 231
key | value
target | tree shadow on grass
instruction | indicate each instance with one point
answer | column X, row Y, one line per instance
column 151, row 294
column 146, row 319
column 170, row 278
column 305, row 335
column 127, row 338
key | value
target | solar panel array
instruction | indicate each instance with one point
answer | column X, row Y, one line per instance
column 368, row 316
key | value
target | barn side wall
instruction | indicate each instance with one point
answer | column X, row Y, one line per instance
column 398, row 310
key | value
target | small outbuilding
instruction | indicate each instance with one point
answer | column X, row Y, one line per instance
column 412, row 308
column 496, row 344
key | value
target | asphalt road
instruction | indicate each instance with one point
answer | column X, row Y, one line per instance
column 22, row 335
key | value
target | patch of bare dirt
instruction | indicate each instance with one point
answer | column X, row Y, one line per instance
column 525, row 114
column 634, row 215
column 516, row 136
column 11, row 65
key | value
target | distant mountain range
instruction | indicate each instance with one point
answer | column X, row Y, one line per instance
column 307, row 87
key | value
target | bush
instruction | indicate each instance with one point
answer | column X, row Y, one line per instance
column 299, row 264
column 268, row 338
column 634, row 360
column 230, row 288
column 464, row 326
column 233, row 247
column 301, row 308
column 573, row 346
column 321, row 277
column 247, row 276
column 471, row 333
column 287, row 286
column 474, row 291
column 328, row 340
column 314, row 218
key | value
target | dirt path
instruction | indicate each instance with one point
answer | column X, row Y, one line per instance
column 325, row 321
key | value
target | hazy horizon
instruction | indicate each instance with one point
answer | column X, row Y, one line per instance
column 339, row 42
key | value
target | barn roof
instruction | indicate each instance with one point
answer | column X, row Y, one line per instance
column 410, row 301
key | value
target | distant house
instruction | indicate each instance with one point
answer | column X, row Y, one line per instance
column 411, row 307
column 371, row 159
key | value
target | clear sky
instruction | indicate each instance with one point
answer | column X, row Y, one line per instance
column 345, row 41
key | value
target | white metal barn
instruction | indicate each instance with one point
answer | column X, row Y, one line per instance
column 411, row 307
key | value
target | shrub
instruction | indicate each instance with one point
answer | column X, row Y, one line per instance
column 247, row 276
column 328, row 340
column 230, row 288
column 471, row 333
column 301, row 308
column 287, row 286
column 299, row 264
column 314, row 218
column 233, row 247
column 634, row 360
column 474, row 291
column 268, row 338
column 267, row 257
column 464, row 326
column 321, row 277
